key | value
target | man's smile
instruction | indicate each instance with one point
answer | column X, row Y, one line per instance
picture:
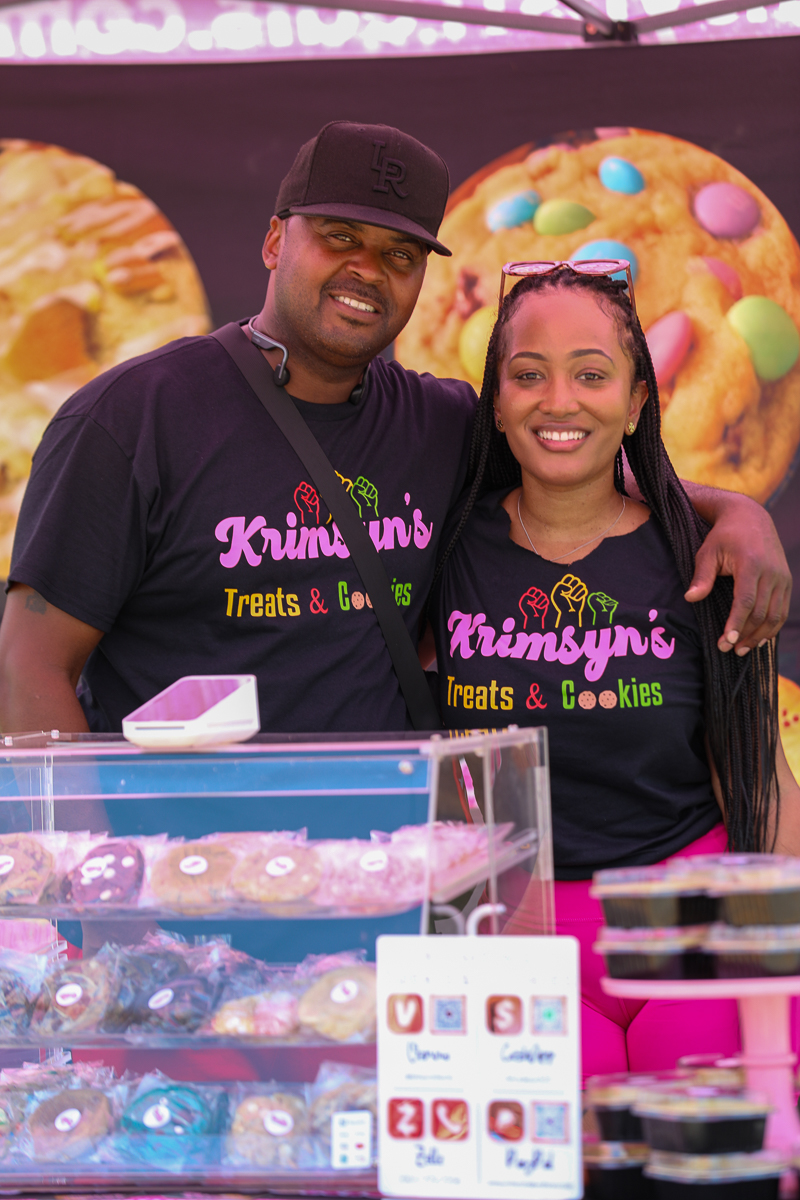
column 361, row 305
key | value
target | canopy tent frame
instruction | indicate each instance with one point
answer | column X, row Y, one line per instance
column 594, row 25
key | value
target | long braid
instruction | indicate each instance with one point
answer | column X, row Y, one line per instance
column 741, row 692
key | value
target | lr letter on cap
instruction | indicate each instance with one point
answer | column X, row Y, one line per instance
column 390, row 171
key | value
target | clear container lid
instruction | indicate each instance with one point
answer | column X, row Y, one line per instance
column 721, row 874
column 615, row 1154
column 622, row 1089
column 715, row 1168
column 699, row 1102
column 752, row 939
column 716, row 874
column 650, row 941
column 640, row 882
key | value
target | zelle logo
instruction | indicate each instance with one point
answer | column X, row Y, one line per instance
column 406, row 1119
column 391, row 172
column 405, row 1013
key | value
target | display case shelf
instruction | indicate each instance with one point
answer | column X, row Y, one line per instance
column 365, row 789
column 156, row 1041
column 45, row 1179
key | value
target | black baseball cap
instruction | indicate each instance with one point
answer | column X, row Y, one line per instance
column 369, row 173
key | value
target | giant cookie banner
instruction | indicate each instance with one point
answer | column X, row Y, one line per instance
column 120, row 178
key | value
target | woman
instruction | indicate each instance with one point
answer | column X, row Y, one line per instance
column 560, row 603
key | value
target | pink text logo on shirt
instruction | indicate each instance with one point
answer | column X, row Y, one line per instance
column 254, row 539
column 471, row 635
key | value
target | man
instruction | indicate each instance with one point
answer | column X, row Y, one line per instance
column 168, row 528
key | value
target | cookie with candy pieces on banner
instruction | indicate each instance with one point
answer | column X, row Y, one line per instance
column 716, row 273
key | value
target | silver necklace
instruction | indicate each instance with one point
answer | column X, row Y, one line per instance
column 596, row 538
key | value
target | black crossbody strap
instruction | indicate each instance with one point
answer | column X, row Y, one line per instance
column 408, row 669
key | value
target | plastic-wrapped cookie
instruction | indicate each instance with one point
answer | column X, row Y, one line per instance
column 168, row 1125
column 26, row 866
column 138, row 976
column 270, row 1131
column 177, row 1006
column 12, row 1109
column 341, row 1004
column 72, row 999
column 70, row 1125
column 21, row 977
column 263, row 1015
column 194, row 877
column 369, row 876
column 277, row 873
column 715, row 269
column 111, row 874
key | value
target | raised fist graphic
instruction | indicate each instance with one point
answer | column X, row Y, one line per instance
column 602, row 605
column 572, row 593
column 307, row 502
column 533, row 602
column 365, row 497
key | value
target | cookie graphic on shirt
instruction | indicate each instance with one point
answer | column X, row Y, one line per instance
column 91, row 274
column 716, row 275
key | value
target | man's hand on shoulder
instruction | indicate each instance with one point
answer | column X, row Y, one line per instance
column 42, row 653
column 745, row 544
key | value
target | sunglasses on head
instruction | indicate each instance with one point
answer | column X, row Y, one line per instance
column 588, row 266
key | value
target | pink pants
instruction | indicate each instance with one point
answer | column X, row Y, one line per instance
column 639, row 1035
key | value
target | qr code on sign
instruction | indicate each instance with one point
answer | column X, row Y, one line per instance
column 449, row 1014
column 550, row 1123
column 549, row 1014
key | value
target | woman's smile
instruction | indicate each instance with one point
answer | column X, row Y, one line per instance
column 561, row 439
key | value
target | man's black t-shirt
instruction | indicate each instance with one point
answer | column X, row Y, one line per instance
column 606, row 653
column 165, row 509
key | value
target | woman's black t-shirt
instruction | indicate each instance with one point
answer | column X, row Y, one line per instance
column 606, row 653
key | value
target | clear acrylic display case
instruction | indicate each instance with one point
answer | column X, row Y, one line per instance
column 218, row 1030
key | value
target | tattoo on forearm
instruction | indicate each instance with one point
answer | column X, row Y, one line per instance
column 35, row 603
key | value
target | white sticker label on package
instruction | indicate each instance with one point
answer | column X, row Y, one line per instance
column 282, row 865
column 6, row 863
column 194, row 864
column 66, row 1121
column 157, row 1115
column 278, row 1122
column 93, row 868
column 68, row 995
column 344, row 992
column 374, row 860
column 161, row 999
column 351, row 1140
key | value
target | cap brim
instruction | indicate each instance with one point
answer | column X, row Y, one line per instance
column 371, row 216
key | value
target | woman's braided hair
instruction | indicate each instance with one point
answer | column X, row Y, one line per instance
column 741, row 693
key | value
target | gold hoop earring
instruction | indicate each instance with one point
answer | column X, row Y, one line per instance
column 631, row 427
